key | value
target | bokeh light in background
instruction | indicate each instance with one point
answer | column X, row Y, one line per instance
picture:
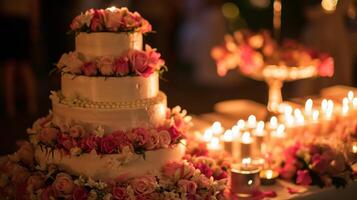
column 260, row 3
column 230, row 10
column 329, row 5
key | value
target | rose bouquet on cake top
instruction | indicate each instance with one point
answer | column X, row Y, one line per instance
column 250, row 52
column 316, row 164
column 131, row 63
column 110, row 20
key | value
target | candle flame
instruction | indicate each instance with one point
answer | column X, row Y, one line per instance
column 288, row 110
column 308, row 105
column 228, row 135
column 252, row 120
column 246, row 137
column 324, row 104
column 269, row 174
column 241, row 123
column 273, row 122
column 315, row 115
column 246, row 161
column 260, row 126
column 354, row 148
column 217, row 127
column 345, row 101
column 345, row 109
column 208, row 134
column 350, row 95
column 214, row 144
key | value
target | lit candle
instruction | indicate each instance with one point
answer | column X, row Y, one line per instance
column 241, row 124
column 244, row 178
column 214, row 145
column 273, row 123
column 314, row 123
column 207, row 135
column 227, row 139
column 327, row 121
column 217, row 128
column 252, row 121
column 350, row 96
column 236, row 131
column 268, row 176
column 308, row 107
column 354, row 103
column 259, row 134
column 246, row 145
column 279, row 132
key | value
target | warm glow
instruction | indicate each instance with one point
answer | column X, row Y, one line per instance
column 280, row 131
column 308, row 106
column 250, row 182
column 273, row 124
column 300, row 119
column 324, row 105
column 315, row 115
column 246, row 161
column 354, row 102
column 236, row 131
column 329, row 109
column 297, row 113
column 246, row 138
column 112, row 9
column 207, row 135
column 269, row 174
column 289, row 120
column 214, row 144
column 228, row 136
column 230, row 10
column 350, row 95
column 217, row 128
column 288, row 110
column 241, row 123
column 345, row 101
column 252, row 121
column 354, row 148
column 329, row 5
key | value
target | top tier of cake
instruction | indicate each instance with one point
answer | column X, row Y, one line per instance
column 108, row 44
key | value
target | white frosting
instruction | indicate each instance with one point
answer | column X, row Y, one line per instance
column 111, row 166
column 108, row 44
column 133, row 116
column 110, row 89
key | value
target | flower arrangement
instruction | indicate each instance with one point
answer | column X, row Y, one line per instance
column 316, row 164
column 132, row 63
column 251, row 52
column 74, row 139
column 21, row 179
column 110, row 20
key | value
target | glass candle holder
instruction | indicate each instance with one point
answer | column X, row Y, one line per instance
column 244, row 178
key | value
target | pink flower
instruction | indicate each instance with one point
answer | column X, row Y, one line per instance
column 154, row 60
column 121, row 66
column 144, row 185
column 65, row 141
column 48, row 135
column 326, row 66
column 164, row 138
column 186, row 186
column 319, row 163
column 108, row 144
column 139, row 136
column 113, row 19
column 79, row 193
column 48, row 194
column 88, row 143
column 202, row 181
column 303, row 177
column 122, row 140
column 34, row 182
column 63, row 184
column 145, row 26
column 204, row 168
column 129, row 21
column 105, row 65
column 249, row 59
column 178, row 170
column 97, row 21
column 119, row 193
column 153, row 140
column 26, row 153
column 139, row 63
column 89, row 69
column 76, row 131
column 288, row 170
column 219, row 174
column 174, row 133
column 76, row 23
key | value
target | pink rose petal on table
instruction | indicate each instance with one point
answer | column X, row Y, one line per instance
column 293, row 190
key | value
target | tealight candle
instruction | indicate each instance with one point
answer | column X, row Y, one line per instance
column 241, row 124
column 252, row 121
column 350, row 96
column 259, row 134
column 246, row 145
column 273, row 123
column 244, row 178
column 227, row 139
column 217, row 128
column 214, row 145
column 327, row 120
column 314, row 122
column 207, row 135
column 268, row 176
column 308, row 107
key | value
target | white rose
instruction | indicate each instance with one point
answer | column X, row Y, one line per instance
column 70, row 62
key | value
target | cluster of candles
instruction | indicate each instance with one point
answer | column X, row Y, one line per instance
column 248, row 140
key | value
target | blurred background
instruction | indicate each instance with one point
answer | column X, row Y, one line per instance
column 33, row 37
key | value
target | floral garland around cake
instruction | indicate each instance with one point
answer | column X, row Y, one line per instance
column 110, row 20
column 74, row 139
column 251, row 52
column 132, row 63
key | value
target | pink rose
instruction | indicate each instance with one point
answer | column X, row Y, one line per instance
column 153, row 140
column 119, row 193
column 288, row 170
column 204, row 168
column 19, row 175
column 113, row 19
column 70, row 63
column 76, row 131
column 34, row 183
column 63, row 184
column 139, row 136
column 219, row 174
column 154, row 60
column 326, row 66
column 97, row 21
column 303, row 177
column 139, row 62
column 145, row 26
column 144, row 185
column 65, row 141
column 121, row 66
column 202, row 181
column 186, row 186
column 174, row 133
column 105, row 65
column 164, row 138
column 26, row 153
column 173, row 169
column 89, row 143
column 89, row 68
column 122, row 140
column 108, row 144
column 80, row 193
column 48, row 194
column 249, row 60
column 319, row 163
column 129, row 21
column 48, row 135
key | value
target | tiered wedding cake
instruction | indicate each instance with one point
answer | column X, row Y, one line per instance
column 110, row 134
